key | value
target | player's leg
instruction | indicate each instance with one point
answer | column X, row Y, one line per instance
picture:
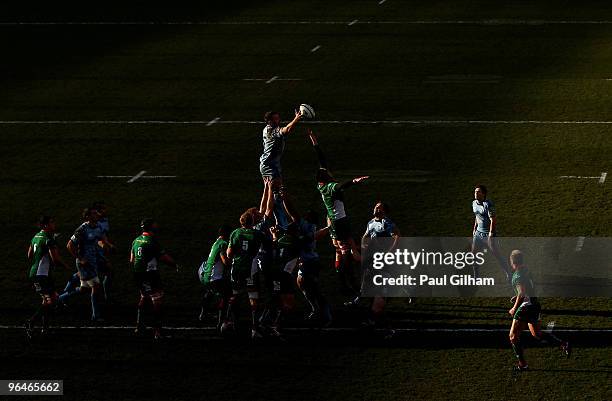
column 515, row 341
column 157, row 297
column 308, row 283
column 503, row 262
column 478, row 245
column 544, row 337
column 73, row 287
column 95, row 297
column 253, row 287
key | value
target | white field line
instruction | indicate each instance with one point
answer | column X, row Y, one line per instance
column 328, row 329
column 213, row 121
column 298, row 22
column 137, row 176
column 314, row 49
column 580, row 243
column 322, row 122
column 142, row 177
column 602, row 179
column 270, row 80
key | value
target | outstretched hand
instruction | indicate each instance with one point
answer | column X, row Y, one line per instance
column 312, row 136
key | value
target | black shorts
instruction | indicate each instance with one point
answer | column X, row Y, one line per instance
column 279, row 282
column 245, row 280
column 341, row 229
column 221, row 288
column 309, row 269
column 43, row 285
column 148, row 282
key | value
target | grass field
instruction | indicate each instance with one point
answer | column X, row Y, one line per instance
column 429, row 99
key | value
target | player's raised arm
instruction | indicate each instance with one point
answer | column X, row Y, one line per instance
column 352, row 182
column 290, row 208
column 289, row 127
column 315, row 145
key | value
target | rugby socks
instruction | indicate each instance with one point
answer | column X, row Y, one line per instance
column 106, row 285
column 95, row 307
column 549, row 338
column 518, row 351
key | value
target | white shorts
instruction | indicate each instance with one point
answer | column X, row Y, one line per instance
column 91, row 283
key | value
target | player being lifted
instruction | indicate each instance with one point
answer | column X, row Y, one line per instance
column 145, row 255
column 485, row 229
column 274, row 138
column 84, row 247
column 332, row 193
column 44, row 255
column 379, row 228
column 526, row 312
column 243, row 246
column 214, row 276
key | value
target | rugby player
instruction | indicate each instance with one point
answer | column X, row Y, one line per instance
column 145, row 255
column 308, row 263
column 84, row 247
column 526, row 312
column 332, row 193
column 44, row 255
column 104, row 265
column 380, row 226
column 274, row 138
column 244, row 244
column 485, row 229
column 214, row 276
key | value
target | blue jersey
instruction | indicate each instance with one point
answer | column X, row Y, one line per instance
column 380, row 228
column 105, row 227
column 86, row 239
column 308, row 244
column 273, row 146
column 483, row 211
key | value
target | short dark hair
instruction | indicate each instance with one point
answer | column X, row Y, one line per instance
column 147, row 223
column 98, row 205
column 384, row 205
column 312, row 216
column 246, row 219
column 224, row 230
column 324, row 176
column 482, row 188
column 44, row 221
column 87, row 212
column 269, row 114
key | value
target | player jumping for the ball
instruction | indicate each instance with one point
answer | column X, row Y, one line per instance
column 274, row 138
column 332, row 193
column 526, row 312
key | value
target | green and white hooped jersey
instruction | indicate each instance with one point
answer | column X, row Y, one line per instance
column 333, row 199
column 41, row 245
column 213, row 269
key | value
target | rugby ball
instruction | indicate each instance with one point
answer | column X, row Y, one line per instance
column 307, row 111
